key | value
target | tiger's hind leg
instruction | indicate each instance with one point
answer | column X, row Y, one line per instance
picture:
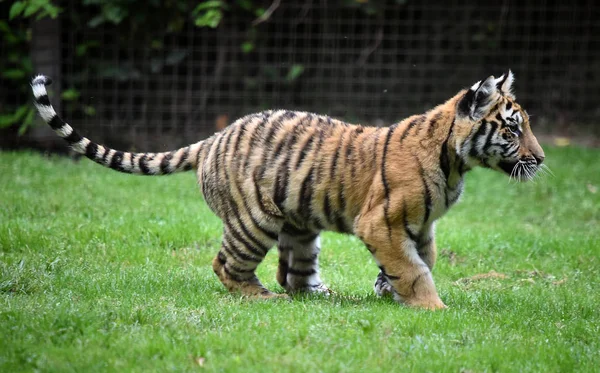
column 235, row 264
column 298, row 270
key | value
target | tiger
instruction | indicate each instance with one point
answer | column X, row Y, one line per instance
column 282, row 177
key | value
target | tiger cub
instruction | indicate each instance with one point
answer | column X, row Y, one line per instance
column 281, row 177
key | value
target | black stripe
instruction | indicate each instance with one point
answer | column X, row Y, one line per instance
column 319, row 160
column 510, row 153
column 55, row 122
column 221, row 257
column 410, row 125
column 302, row 272
column 246, row 245
column 74, row 137
column 415, row 282
column 327, row 208
column 266, row 115
column 200, row 151
column 340, row 223
column 309, row 260
column 349, row 156
column 105, row 155
column 247, row 233
column 164, row 164
column 304, row 240
column 209, row 191
column 283, row 270
column 387, row 276
column 500, row 119
column 238, row 269
column 305, row 198
column 256, row 224
column 44, row 100
column 259, row 196
column 184, row 158
column 235, row 276
column 289, row 115
column 268, row 150
column 340, row 183
column 90, row 150
column 499, row 84
column 474, row 152
column 304, row 150
column 486, row 144
column 282, row 180
column 117, row 162
column 241, row 130
column 142, row 163
column 433, row 124
column 427, row 193
column 411, row 235
column 386, row 187
column 240, row 256
column 423, row 245
column 336, row 155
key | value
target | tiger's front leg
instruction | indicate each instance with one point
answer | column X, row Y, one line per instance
column 404, row 273
column 427, row 251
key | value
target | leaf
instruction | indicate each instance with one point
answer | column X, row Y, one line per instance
column 16, row 9
column 208, row 5
column 294, row 73
column 6, row 120
column 30, row 10
column 210, row 18
column 175, row 57
column 14, row 74
column 247, row 47
column 70, row 94
column 89, row 110
column 96, row 21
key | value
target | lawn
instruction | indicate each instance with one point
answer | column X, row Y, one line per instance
column 101, row 271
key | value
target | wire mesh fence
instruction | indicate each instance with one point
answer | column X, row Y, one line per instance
column 156, row 89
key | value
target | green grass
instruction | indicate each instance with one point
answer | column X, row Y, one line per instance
column 101, row 271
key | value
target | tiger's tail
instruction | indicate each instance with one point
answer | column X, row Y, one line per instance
column 182, row 159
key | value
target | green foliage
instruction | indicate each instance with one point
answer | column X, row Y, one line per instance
column 70, row 94
column 209, row 13
column 33, row 8
column 15, row 68
column 102, row 271
column 294, row 73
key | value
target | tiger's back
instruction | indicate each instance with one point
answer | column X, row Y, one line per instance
column 295, row 167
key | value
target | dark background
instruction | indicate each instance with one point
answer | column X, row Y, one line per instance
column 141, row 75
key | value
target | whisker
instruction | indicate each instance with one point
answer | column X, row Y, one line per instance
column 547, row 169
column 512, row 173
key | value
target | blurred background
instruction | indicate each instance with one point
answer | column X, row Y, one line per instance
column 155, row 75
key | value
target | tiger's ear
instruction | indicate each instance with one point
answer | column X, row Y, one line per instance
column 504, row 84
column 478, row 100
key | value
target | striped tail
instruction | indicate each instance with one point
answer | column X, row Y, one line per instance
column 182, row 159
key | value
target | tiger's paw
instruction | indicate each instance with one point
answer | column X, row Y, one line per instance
column 432, row 304
column 382, row 286
column 310, row 289
column 270, row 295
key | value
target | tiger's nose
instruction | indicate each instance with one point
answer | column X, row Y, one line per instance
column 539, row 159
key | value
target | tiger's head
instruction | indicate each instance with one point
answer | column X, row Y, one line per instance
column 494, row 130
